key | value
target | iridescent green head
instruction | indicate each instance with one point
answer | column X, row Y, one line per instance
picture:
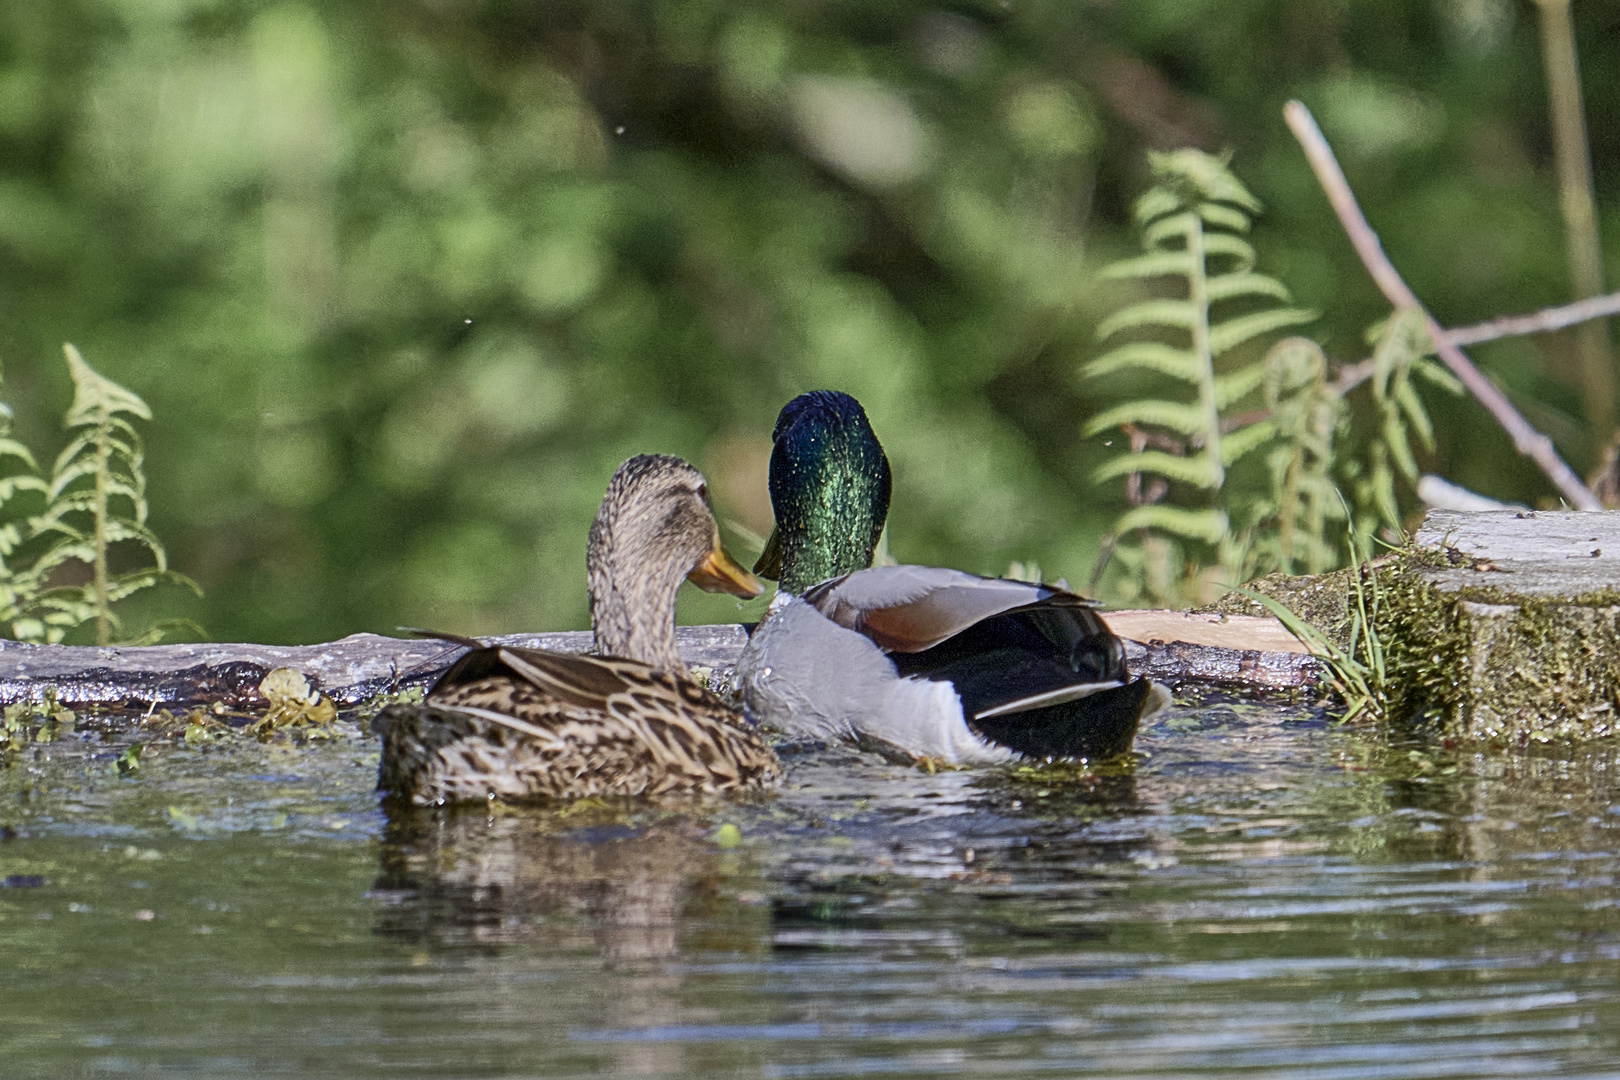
column 829, row 488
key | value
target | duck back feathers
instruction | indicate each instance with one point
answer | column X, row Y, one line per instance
column 522, row 723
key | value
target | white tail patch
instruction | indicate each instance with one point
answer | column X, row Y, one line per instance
column 1158, row 700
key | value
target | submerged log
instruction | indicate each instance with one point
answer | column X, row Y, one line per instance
column 1173, row 647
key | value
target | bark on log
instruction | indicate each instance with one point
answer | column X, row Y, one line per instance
column 1172, row 647
column 1247, row 651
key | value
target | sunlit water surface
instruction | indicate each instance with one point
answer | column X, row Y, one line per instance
column 1263, row 894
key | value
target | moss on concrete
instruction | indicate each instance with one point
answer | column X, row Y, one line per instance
column 1425, row 647
column 1471, row 661
column 1492, row 663
column 1320, row 599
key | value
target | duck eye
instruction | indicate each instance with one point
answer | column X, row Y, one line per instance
column 703, row 492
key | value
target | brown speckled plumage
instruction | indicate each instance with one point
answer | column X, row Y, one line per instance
column 524, row 723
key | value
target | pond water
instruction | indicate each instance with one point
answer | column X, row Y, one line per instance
column 1261, row 894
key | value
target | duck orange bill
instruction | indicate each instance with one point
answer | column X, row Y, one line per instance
column 719, row 572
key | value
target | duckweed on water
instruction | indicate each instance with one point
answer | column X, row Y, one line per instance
column 28, row 722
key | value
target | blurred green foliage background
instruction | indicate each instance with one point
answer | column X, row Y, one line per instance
column 403, row 281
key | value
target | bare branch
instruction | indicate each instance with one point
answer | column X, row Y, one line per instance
column 1530, row 442
column 1351, row 376
column 1553, row 318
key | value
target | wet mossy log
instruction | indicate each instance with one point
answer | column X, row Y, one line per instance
column 351, row 670
column 1169, row 646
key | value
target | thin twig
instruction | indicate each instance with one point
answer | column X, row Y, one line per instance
column 1104, row 556
column 1553, row 318
column 1530, row 442
column 1141, row 439
column 1351, row 376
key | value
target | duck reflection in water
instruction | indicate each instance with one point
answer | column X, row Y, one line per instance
column 621, row 881
column 612, row 887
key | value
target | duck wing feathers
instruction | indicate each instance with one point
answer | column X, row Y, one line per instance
column 911, row 608
column 524, row 723
column 1036, row 669
column 915, row 609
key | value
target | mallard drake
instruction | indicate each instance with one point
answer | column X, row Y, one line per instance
column 934, row 663
column 516, row 723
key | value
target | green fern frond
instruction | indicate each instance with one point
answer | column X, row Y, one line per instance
column 122, row 530
column 1153, row 264
column 1166, row 231
column 97, row 398
column 11, row 486
column 1379, row 488
column 1292, row 364
column 1204, row 176
column 1183, row 419
column 1207, row 526
column 1237, row 385
column 1418, row 417
column 1225, row 245
column 95, row 498
column 1149, row 356
column 1245, row 439
column 1187, row 470
column 1174, row 314
column 54, row 514
column 117, row 435
column 1404, row 341
column 1240, row 283
column 70, row 548
column 1223, row 217
column 1438, row 375
column 1306, row 411
column 14, row 449
column 126, row 585
column 1154, row 204
column 1400, row 450
column 1229, row 335
column 1193, row 226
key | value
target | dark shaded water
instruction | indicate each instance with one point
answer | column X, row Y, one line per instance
column 1263, row 894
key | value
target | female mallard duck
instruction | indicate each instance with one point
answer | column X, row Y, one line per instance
column 936, row 663
column 516, row 723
